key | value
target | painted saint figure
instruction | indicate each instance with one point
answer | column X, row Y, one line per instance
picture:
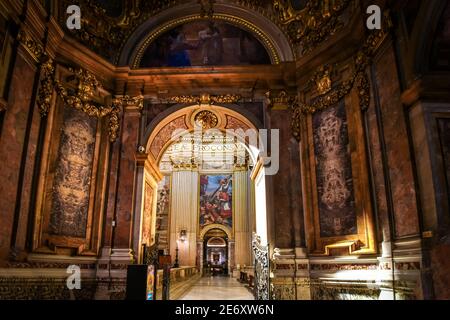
column 212, row 46
column 215, row 200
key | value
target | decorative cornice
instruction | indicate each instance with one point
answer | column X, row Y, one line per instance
column 279, row 100
column 127, row 102
column 33, row 47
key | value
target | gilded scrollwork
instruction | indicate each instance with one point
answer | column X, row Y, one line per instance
column 80, row 97
column 322, row 79
column 206, row 119
column 46, row 87
column 104, row 30
column 279, row 100
column 313, row 24
column 358, row 78
column 206, row 99
column 35, row 49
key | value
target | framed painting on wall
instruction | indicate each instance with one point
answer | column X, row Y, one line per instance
column 216, row 203
column 163, row 213
column 341, row 221
column 204, row 43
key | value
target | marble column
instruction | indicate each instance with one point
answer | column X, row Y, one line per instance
column 241, row 216
column 184, row 215
column 122, row 250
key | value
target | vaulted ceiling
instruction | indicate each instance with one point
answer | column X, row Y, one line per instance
column 108, row 26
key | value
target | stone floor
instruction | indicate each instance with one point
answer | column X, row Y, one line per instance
column 217, row 288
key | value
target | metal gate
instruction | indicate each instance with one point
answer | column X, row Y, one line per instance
column 262, row 269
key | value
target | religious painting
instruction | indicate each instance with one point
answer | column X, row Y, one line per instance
column 162, row 212
column 150, row 282
column 337, row 214
column 205, row 43
column 216, row 205
column 147, row 214
column 71, row 188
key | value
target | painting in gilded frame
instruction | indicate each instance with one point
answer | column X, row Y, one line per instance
column 216, row 203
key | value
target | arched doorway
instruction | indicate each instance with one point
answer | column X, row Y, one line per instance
column 207, row 165
column 215, row 253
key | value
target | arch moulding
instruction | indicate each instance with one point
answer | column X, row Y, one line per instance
column 161, row 137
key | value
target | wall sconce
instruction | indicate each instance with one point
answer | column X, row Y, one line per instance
column 183, row 235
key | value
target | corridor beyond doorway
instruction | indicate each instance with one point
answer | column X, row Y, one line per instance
column 218, row 288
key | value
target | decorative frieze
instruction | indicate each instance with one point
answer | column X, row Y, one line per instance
column 206, row 99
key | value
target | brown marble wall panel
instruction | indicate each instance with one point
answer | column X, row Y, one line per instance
column 337, row 214
column 378, row 174
column 72, row 182
column 285, row 202
column 126, row 179
column 152, row 110
column 440, row 266
column 397, row 146
column 30, row 166
column 11, row 146
column 255, row 108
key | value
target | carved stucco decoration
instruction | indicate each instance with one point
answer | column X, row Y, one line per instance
column 46, row 87
column 313, row 24
column 206, row 99
column 82, row 99
column 322, row 79
column 33, row 47
column 206, row 8
column 82, row 96
column 105, row 31
column 206, row 119
column 106, row 28
column 279, row 101
column 105, row 34
column 358, row 77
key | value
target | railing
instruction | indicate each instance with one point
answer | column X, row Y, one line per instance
column 262, row 269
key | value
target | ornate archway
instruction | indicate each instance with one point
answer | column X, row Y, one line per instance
column 164, row 158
